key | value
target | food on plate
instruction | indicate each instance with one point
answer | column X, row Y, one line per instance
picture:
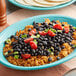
column 42, row 3
column 50, row 3
column 21, row 2
column 33, row 3
column 57, row 0
column 40, row 43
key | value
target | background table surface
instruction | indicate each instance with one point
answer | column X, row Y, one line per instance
column 16, row 14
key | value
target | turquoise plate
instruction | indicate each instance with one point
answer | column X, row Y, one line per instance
column 41, row 8
column 11, row 30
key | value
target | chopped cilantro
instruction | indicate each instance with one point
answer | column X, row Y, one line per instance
column 16, row 52
column 16, row 56
column 33, row 36
column 38, row 35
column 46, row 30
column 53, row 30
column 35, row 41
column 74, row 28
column 24, row 36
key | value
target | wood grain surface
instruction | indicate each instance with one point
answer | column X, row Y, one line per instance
column 54, row 71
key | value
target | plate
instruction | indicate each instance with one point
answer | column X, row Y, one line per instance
column 41, row 8
column 11, row 30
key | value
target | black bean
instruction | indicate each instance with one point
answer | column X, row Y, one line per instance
column 20, row 57
column 33, row 51
column 20, row 39
column 16, row 37
column 58, row 58
column 20, row 36
column 57, row 44
column 59, row 49
column 52, row 45
column 44, row 53
column 25, row 48
column 40, row 29
column 20, row 53
column 28, row 50
column 63, row 31
column 63, row 25
column 52, row 49
column 50, row 24
column 62, row 47
column 32, row 54
column 48, row 53
column 57, row 53
column 59, row 40
column 6, row 56
column 13, row 43
column 23, row 52
column 5, row 42
column 44, row 43
column 29, row 29
column 49, row 59
column 9, row 51
column 36, row 54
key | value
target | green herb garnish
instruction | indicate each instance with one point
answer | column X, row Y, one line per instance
column 52, row 53
column 33, row 36
column 74, row 46
column 8, row 40
column 16, row 56
column 35, row 41
column 16, row 52
column 49, row 49
column 6, row 53
column 24, row 36
column 74, row 28
column 59, row 30
column 38, row 35
column 11, row 50
column 53, row 30
column 46, row 30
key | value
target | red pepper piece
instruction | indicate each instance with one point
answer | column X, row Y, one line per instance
column 51, row 33
column 28, row 40
column 26, row 56
column 66, row 29
column 42, row 33
column 33, row 45
column 32, row 32
column 58, row 26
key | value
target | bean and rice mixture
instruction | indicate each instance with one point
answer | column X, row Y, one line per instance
column 40, row 43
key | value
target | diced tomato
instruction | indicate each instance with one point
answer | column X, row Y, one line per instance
column 26, row 56
column 42, row 33
column 33, row 45
column 32, row 32
column 66, row 29
column 51, row 33
column 58, row 26
column 28, row 40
